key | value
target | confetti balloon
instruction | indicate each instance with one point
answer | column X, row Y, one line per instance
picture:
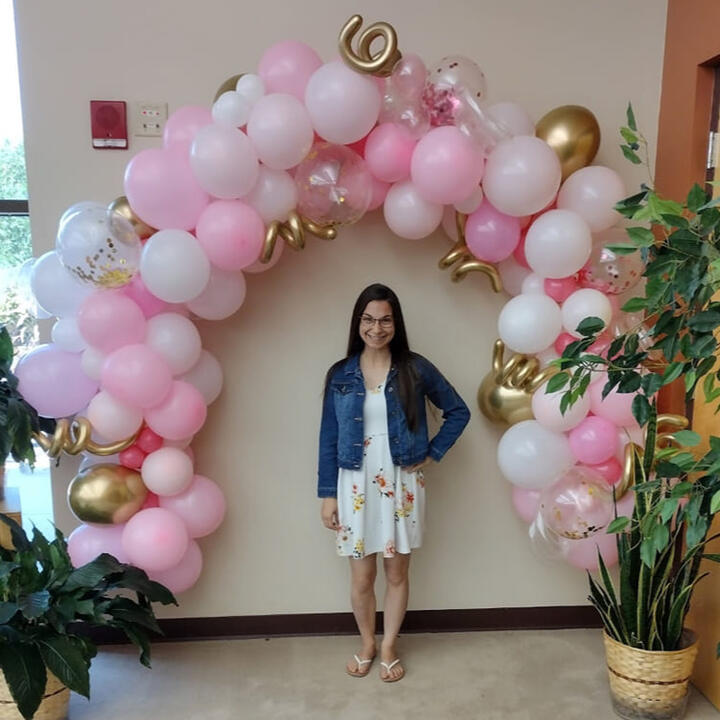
column 609, row 272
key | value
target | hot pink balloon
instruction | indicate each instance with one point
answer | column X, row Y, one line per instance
column 151, row 501
column 149, row 441
column 183, row 124
column 86, row 542
column 446, row 166
column 388, row 152
column 136, row 375
column 594, row 440
column 560, row 289
column 162, row 190
column 132, row 457
column 181, row 414
column 616, row 407
column 53, row 381
column 201, row 506
column 287, row 66
column 563, row 340
column 185, row 574
column 155, row 539
column 137, row 291
column 611, row 470
column 490, row 235
column 519, row 251
column 231, row 234
column 108, row 319
column 526, row 503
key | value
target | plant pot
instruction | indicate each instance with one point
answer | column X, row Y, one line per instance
column 650, row 684
column 54, row 705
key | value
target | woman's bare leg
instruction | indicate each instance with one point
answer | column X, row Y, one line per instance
column 396, row 600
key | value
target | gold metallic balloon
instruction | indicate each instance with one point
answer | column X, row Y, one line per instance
column 107, row 494
column 293, row 231
column 505, row 394
column 227, row 86
column 121, row 206
column 75, row 437
column 380, row 63
column 572, row 131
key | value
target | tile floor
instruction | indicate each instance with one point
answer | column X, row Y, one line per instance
column 535, row 675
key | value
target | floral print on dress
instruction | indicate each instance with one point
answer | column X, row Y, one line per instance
column 389, row 549
column 405, row 503
column 359, row 549
column 358, row 498
column 382, row 485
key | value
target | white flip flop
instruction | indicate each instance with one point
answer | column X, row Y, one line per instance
column 388, row 668
column 360, row 664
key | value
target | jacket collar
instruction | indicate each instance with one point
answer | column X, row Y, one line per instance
column 352, row 367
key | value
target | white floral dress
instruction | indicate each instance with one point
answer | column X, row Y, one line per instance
column 381, row 507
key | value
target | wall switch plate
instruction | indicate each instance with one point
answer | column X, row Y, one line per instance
column 150, row 118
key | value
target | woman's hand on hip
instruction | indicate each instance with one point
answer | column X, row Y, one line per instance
column 419, row 466
column 329, row 513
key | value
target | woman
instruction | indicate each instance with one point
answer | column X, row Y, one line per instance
column 373, row 448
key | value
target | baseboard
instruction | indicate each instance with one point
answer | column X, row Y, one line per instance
column 416, row 621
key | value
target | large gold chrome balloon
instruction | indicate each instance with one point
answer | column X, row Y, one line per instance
column 227, row 86
column 121, row 206
column 107, row 494
column 572, row 131
column 505, row 394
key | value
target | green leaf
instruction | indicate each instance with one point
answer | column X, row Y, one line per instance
column 640, row 236
column 715, row 503
column 557, row 382
column 690, row 379
column 641, row 409
column 634, row 305
column 689, row 438
column 630, row 155
column 672, row 372
column 25, row 676
column 696, row 198
column 66, row 661
column 90, row 574
column 631, row 117
column 590, row 326
column 705, row 321
column 19, row 538
column 628, row 135
column 618, row 524
column 622, row 248
column 35, row 604
column 7, row 611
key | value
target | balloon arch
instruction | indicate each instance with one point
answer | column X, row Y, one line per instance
column 298, row 150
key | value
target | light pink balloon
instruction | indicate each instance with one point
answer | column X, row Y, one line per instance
column 522, row 175
column 136, row 375
column 526, row 503
column 546, row 409
column 201, row 506
column 594, row 440
column 180, row 414
column 380, row 190
column 616, row 407
column 446, row 166
column 150, row 304
column 343, row 104
column 274, row 195
column 286, row 67
column 231, row 233
column 221, row 298
column 388, row 152
column 512, row 275
column 206, row 376
column 108, row 319
column 86, row 542
column 491, row 235
column 112, row 419
column 185, row 574
column 583, row 553
column 512, row 117
column 167, row 471
column 560, row 289
column 162, row 190
column 53, row 381
column 592, row 192
column 155, row 539
column 558, row 244
column 408, row 214
column 183, row 124
column 280, row 130
column 260, row 267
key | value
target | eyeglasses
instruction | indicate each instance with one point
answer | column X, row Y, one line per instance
column 369, row 321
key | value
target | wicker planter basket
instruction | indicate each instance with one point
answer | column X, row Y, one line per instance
column 54, row 705
column 650, row 684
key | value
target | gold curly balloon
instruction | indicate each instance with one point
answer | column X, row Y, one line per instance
column 467, row 263
column 107, row 494
column 227, row 86
column 383, row 61
column 121, row 206
column 74, row 438
column 505, row 394
column 572, row 131
column 293, row 232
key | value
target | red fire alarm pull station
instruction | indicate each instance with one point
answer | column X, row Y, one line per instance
column 108, row 121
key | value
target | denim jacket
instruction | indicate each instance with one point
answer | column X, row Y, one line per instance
column 341, row 429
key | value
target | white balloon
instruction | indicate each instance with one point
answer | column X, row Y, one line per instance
column 250, row 87
column 512, row 117
column 529, row 323
column 408, row 214
column 91, row 361
column 512, row 274
column 471, row 203
column 176, row 339
column 66, row 335
column 224, row 294
column 113, row 419
column 546, row 408
column 55, row 288
column 167, row 471
column 231, row 109
column 582, row 304
column 206, row 376
column 174, row 266
column 547, row 356
column 533, row 284
column 533, row 457
column 558, row 244
column 274, row 195
column 592, row 193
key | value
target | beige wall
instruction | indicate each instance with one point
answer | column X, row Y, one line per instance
column 272, row 555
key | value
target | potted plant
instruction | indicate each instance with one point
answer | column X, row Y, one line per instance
column 47, row 608
column 677, row 491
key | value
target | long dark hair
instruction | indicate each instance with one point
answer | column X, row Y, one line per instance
column 399, row 348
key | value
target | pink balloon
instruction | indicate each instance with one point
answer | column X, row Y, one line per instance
column 185, row 574
column 155, row 539
column 546, row 409
column 222, row 296
column 108, row 319
column 132, row 457
column 409, row 76
column 86, row 542
column 560, row 289
column 148, row 441
column 180, row 414
column 136, row 375
column 231, row 233
column 408, row 214
column 526, row 503
column 151, row 501
column 259, row 267
column 53, row 381
column 388, row 152
column 380, row 190
column 162, row 190
column 143, row 298
column 167, row 471
column 563, row 340
column 183, row 124
column 519, row 251
column 611, row 470
column 490, row 235
column 594, row 440
column 583, row 553
column 592, row 193
column 616, row 407
column 446, row 166
column 201, row 506
column 287, row 66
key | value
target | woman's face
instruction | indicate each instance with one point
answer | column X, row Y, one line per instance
column 377, row 327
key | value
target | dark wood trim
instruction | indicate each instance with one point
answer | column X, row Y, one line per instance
column 14, row 207
column 416, row 621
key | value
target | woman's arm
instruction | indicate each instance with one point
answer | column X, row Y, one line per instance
column 327, row 455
